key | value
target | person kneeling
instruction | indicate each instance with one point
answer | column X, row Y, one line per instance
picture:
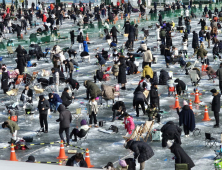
column 153, row 113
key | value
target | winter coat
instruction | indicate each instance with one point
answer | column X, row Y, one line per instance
column 195, row 43
column 181, row 84
column 143, row 47
column 180, row 21
column 107, row 92
column 12, row 126
column 73, row 83
column 114, row 31
column 162, row 33
column 65, row 97
column 180, row 155
column 187, row 12
column 4, row 80
column 80, row 39
column 219, row 73
column 119, row 105
column 147, row 56
column 82, row 163
column 216, row 102
column 186, row 117
column 158, row 33
column 154, row 98
column 152, row 112
column 139, row 97
column 43, row 104
column 184, row 45
column 92, row 107
column 141, row 150
column 93, row 89
column 168, row 40
column 85, row 46
column 29, row 94
column 164, row 76
column 170, row 131
column 129, row 124
column 210, row 71
column 201, row 52
column 115, row 69
column 44, row 18
column 122, row 71
column 65, row 117
column 126, row 26
column 101, row 60
column 21, row 64
column 55, row 99
column 147, row 70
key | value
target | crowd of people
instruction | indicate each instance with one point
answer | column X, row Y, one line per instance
column 145, row 96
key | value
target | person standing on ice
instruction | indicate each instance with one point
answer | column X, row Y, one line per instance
column 216, row 106
column 186, row 118
column 80, row 41
column 141, row 150
column 13, row 127
column 181, row 156
column 65, row 118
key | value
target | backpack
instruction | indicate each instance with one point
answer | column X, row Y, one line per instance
column 113, row 128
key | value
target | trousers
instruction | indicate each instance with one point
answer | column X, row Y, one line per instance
column 43, row 121
column 67, row 134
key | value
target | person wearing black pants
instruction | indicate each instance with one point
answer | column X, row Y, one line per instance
column 216, row 106
column 43, row 107
column 67, row 134
column 139, row 99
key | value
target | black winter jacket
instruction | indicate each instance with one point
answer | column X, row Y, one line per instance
column 154, row 98
column 65, row 117
column 216, row 102
column 43, row 104
column 163, row 78
column 180, row 84
column 139, row 97
column 141, row 150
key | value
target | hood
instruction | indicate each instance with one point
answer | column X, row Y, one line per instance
column 186, row 107
column 61, row 108
column 162, row 70
column 129, row 144
column 147, row 66
column 103, row 86
column 177, row 80
column 83, row 122
column 170, row 123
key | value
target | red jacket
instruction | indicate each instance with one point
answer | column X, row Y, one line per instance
column 81, row 9
column 44, row 18
column 118, row 3
column 129, row 124
column 8, row 10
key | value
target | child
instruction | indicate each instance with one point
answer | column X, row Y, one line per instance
column 115, row 70
column 81, row 132
column 129, row 124
column 170, row 84
column 92, row 111
column 122, row 165
column 153, row 113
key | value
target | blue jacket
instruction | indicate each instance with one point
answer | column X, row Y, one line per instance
column 101, row 60
column 85, row 46
column 55, row 99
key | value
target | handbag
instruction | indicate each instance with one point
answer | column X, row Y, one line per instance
column 182, row 166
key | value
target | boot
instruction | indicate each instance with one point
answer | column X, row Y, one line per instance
column 12, row 141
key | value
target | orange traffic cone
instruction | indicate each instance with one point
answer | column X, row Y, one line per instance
column 62, row 154
column 87, row 159
column 13, row 156
column 206, row 115
column 190, row 104
column 134, row 21
column 197, row 100
column 177, row 104
column 87, row 38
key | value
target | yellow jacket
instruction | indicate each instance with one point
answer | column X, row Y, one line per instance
column 147, row 71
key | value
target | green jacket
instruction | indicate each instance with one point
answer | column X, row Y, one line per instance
column 93, row 89
column 12, row 126
column 201, row 52
column 152, row 112
column 162, row 34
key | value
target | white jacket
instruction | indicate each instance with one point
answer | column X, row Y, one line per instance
column 187, row 13
column 84, row 127
column 184, row 45
column 147, row 56
column 158, row 33
column 92, row 107
column 9, row 23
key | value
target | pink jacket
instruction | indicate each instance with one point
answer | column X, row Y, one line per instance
column 129, row 124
